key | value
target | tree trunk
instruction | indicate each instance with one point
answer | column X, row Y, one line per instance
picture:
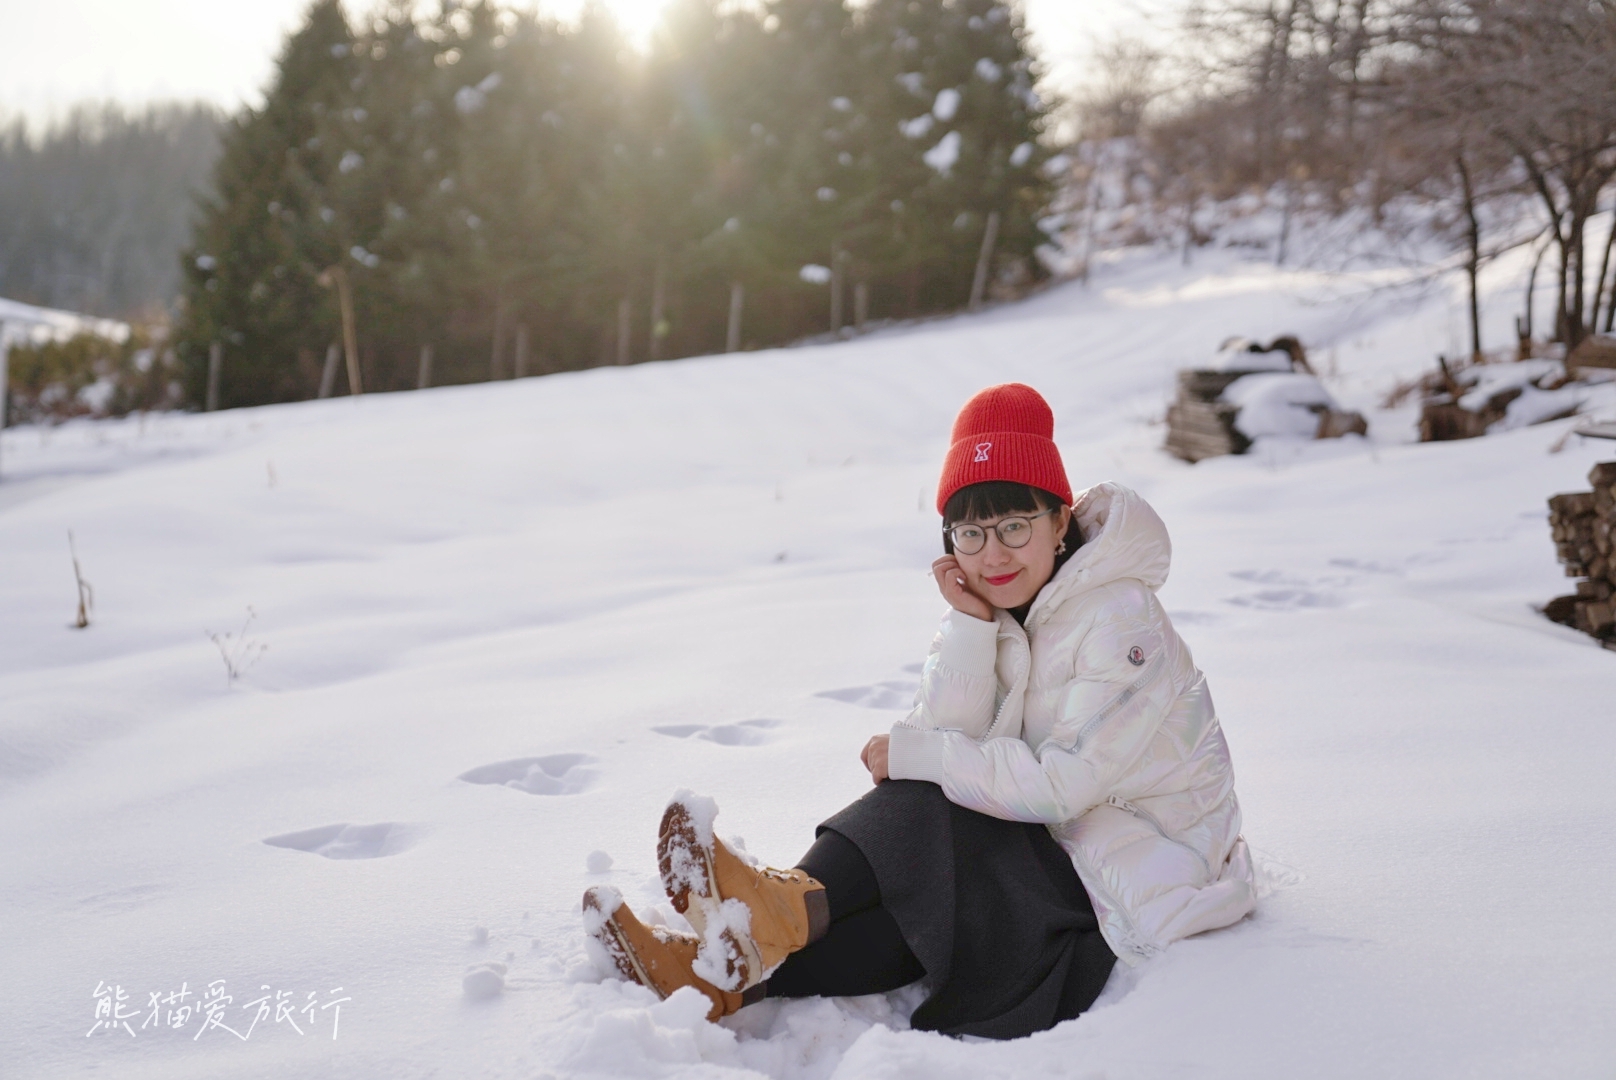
column 423, row 374
column 215, row 362
column 861, row 305
column 623, row 320
column 350, row 336
column 5, row 376
column 836, row 290
column 984, row 260
column 521, row 351
column 328, row 377
column 499, row 332
column 737, row 300
column 1473, row 256
column 659, row 299
column 1604, row 272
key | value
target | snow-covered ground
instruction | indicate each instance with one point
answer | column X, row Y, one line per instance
column 497, row 626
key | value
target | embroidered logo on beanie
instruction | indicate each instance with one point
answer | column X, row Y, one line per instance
column 982, row 449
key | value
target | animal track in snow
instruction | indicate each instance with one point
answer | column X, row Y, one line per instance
column 553, row 774
column 745, row 733
column 892, row 694
column 345, row 841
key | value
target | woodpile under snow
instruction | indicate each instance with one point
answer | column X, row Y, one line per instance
column 1584, row 529
column 1462, row 400
column 1250, row 391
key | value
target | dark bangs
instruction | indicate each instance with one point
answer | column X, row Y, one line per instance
column 995, row 498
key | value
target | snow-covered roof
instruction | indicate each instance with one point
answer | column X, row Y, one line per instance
column 26, row 324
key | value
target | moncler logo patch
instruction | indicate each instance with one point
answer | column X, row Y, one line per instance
column 982, row 449
column 1136, row 656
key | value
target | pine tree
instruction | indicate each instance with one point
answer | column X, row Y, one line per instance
column 251, row 275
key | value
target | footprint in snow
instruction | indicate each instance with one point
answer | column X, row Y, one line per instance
column 745, row 733
column 554, row 774
column 892, row 694
column 1284, row 593
column 345, row 841
column 1284, row 600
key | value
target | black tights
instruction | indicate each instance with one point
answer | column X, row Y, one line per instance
column 864, row 951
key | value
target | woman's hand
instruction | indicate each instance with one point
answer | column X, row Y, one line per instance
column 875, row 757
column 951, row 583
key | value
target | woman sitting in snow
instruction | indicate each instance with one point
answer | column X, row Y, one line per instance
column 1060, row 796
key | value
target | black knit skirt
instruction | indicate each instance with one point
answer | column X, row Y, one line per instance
column 992, row 909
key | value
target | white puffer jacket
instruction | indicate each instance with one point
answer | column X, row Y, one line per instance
column 1095, row 721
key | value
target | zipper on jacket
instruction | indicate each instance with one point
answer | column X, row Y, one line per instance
column 1150, row 819
column 1145, row 678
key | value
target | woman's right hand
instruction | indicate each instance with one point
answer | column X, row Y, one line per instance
column 951, row 583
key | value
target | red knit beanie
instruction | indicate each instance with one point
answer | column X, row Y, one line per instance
column 1004, row 433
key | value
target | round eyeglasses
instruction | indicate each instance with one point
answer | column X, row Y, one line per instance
column 1014, row 532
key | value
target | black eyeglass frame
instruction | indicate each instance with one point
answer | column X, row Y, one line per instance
column 997, row 529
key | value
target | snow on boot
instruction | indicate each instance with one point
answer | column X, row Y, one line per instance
column 749, row 917
column 652, row 956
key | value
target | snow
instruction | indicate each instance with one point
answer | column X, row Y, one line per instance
column 918, row 128
column 943, row 156
column 1242, row 354
column 1278, row 403
column 946, row 104
column 27, row 324
column 507, row 621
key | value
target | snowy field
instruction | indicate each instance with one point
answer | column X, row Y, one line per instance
column 497, row 626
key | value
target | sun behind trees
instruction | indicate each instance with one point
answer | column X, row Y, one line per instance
column 521, row 196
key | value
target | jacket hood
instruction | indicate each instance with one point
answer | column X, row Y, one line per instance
column 1122, row 538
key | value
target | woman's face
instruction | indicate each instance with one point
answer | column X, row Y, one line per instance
column 1008, row 577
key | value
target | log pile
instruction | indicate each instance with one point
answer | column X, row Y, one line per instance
column 1452, row 407
column 1199, row 425
column 1584, row 529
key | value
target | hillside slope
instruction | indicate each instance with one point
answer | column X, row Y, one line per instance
column 712, row 574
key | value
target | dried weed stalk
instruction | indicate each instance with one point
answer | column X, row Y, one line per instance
column 238, row 651
column 86, row 594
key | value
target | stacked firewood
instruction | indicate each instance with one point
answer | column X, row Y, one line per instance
column 1584, row 526
column 1199, row 425
column 1203, row 422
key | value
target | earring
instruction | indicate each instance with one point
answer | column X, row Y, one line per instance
column 1062, row 549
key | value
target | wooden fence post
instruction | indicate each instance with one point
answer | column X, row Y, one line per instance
column 623, row 312
column 521, row 352
column 328, row 377
column 423, row 374
column 215, row 362
column 984, row 260
column 737, row 299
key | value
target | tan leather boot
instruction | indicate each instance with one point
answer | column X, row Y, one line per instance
column 749, row 918
column 652, row 956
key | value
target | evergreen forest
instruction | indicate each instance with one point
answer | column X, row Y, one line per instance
column 482, row 192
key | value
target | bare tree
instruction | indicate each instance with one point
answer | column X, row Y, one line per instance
column 1534, row 77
